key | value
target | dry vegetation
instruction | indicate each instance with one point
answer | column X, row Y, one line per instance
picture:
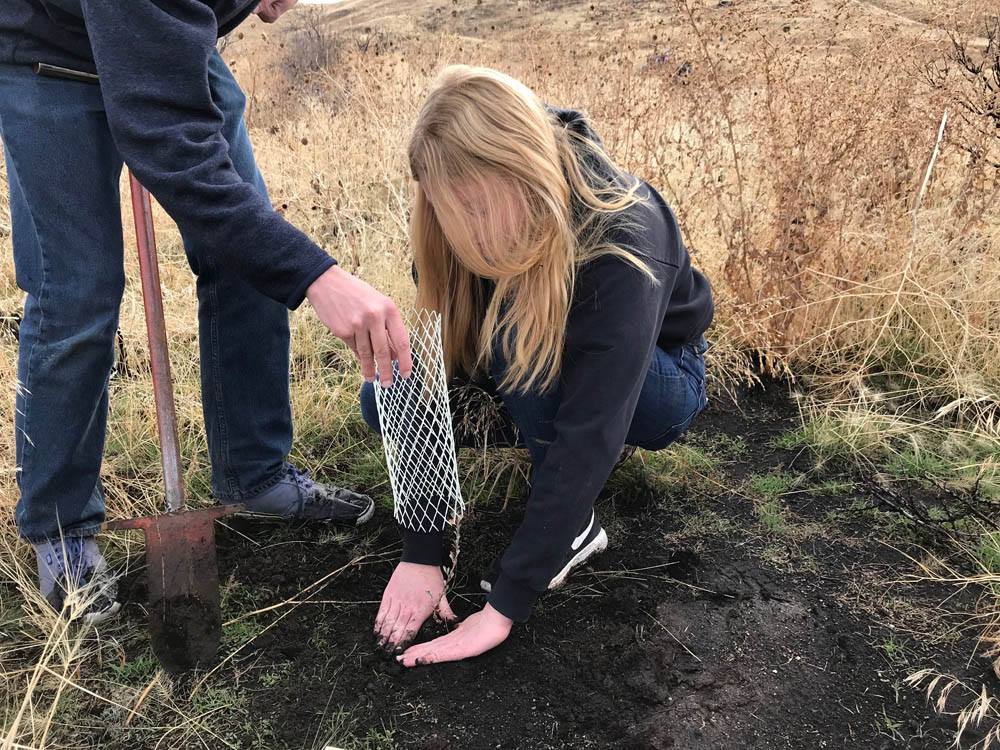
column 834, row 165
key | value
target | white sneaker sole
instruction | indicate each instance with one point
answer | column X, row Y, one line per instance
column 598, row 544
column 366, row 516
column 99, row 617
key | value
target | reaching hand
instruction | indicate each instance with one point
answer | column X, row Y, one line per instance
column 476, row 635
column 412, row 595
column 365, row 319
column 271, row 10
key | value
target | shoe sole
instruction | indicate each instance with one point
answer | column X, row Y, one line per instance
column 367, row 515
column 359, row 521
column 98, row 617
column 598, row 544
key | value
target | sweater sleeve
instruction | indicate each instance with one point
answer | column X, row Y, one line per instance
column 152, row 59
column 611, row 335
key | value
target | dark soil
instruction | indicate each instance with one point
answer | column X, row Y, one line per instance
column 184, row 631
column 714, row 642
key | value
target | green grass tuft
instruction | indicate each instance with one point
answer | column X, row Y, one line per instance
column 772, row 517
column 772, row 485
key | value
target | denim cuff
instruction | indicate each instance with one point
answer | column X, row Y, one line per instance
column 423, row 548
column 512, row 599
column 77, row 533
column 241, row 496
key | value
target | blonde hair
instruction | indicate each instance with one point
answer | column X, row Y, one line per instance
column 548, row 211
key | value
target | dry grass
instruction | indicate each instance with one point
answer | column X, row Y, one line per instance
column 852, row 242
column 974, row 707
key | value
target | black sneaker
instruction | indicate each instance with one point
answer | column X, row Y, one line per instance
column 627, row 452
column 296, row 496
column 591, row 541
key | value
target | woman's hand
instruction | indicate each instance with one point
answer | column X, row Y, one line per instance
column 365, row 319
column 413, row 594
column 476, row 635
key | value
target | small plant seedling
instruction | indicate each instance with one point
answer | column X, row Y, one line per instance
column 791, row 440
column 894, row 651
column 772, row 517
column 240, row 632
column 918, row 465
column 833, row 487
column 732, row 448
column 213, row 699
column 137, row 670
column 772, row 485
column 987, row 552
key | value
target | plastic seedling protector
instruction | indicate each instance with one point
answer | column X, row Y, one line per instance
column 418, row 437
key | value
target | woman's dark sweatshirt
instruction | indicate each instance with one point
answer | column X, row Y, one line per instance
column 617, row 317
column 152, row 60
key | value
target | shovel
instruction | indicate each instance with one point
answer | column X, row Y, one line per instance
column 185, row 619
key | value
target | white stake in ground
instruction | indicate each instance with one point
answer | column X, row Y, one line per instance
column 419, row 439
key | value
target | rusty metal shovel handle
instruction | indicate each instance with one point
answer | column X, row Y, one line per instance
column 156, row 331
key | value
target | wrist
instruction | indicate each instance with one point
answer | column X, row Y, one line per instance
column 497, row 618
column 426, row 548
column 422, row 567
column 326, row 279
column 512, row 598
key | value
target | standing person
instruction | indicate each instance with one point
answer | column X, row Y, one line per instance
column 564, row 286
column 168, row 107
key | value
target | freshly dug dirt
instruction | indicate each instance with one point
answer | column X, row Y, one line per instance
column 670, row 640
column 184, row 631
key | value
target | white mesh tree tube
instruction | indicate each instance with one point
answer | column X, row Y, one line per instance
column 418, row 437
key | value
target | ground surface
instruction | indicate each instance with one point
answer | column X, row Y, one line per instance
column 746, row 601
column 698, row 628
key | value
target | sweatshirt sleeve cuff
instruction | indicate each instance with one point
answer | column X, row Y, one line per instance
column 299, row 293
column 423, row 548
column 512, row 600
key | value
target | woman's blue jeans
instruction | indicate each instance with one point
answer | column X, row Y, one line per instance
column 63, row 171
column 672, row 395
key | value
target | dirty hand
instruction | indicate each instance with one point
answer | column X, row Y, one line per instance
column 270, row 10
column 413, row 594
column 365, row 319
column 476, row 635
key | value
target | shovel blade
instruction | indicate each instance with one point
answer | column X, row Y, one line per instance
column 185, row 618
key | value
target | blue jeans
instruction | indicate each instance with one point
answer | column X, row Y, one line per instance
column 63, row 171
column 672, row 395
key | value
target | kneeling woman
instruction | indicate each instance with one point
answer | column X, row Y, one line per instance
column 563, row 284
